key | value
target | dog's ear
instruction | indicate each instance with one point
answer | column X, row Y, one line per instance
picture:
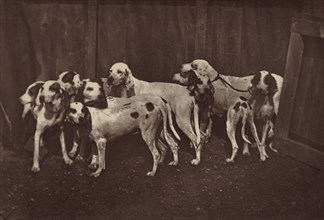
column 192, row 80
column 212, row 89
column 256, row 78
column 39, row 100
column 194, row 66
column 68, row 77
column 272, row 84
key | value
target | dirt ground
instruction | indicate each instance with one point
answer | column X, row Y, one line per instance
column 280, row 188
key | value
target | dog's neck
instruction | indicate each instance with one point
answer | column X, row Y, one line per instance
column 213, row 74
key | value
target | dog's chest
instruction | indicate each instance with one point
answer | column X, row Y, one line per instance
column 263, row 110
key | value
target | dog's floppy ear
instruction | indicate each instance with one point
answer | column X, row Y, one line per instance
column 272, row 84
column 256, row 78
column 79, row 97
column 194, row 66
column 192, row 80
column 38, row 100
column 129, row 83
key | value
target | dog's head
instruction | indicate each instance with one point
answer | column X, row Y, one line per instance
column 92, row 93
column 52, row 96
column 119, row 74
column 70, row 81
column 31, row 93
column 264, row 83
column 200, row 86
column 202, row 68
column 77, row 113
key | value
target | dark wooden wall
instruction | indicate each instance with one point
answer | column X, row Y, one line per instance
column 40, row 39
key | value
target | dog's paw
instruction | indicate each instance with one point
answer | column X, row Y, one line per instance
column 229, row 160
column 195, row 162
column 151, row 173
column 246, row 153
column 79, row 158
column 68, row 161
column 72, row 154
column 35, row 169
column 173, row 163
column 93, row 166
column 95, row 174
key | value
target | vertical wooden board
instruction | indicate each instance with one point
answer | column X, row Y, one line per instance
column 42, row 21
column 298, row 118
column 157, row 38
column 112, row 34
column 179, row 36
column 70, row 37
column 91, row 35
column 224, row 36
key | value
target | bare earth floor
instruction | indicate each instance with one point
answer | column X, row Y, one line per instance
column 280, row 188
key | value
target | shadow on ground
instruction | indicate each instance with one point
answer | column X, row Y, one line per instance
column 280, row 188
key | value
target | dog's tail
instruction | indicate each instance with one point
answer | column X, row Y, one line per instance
column 196, row 122
column 166, row 134
column 169, row 112
column 244, row 118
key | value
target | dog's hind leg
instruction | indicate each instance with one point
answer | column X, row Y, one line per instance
column 149, row 138
column 231, row 130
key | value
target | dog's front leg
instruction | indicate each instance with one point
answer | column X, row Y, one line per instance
column 35, row 168
column 101, row 144
column 76, row 141
column 66, row 158
column 265, row 131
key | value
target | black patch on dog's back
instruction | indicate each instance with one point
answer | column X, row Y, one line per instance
column 33, row 91
column 149, row 106
column 68, row 77
column 243, row 98
column 134, row 115
column 55, row 87
column 237, row 106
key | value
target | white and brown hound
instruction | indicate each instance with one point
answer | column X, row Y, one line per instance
column 50, row 104
column 92, row 94
column 70, row 81
column 228, row 89
column 107, row 124
column 183, row 105
column 241, row 110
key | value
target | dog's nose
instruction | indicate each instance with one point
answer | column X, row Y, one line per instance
column 110, row 79
column 81, row 119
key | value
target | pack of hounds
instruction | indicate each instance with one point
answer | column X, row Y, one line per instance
column 95, row 112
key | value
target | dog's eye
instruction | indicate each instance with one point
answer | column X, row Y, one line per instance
column 119, row 71
column 89, row 89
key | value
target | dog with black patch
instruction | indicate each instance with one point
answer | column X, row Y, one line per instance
column 111, row 123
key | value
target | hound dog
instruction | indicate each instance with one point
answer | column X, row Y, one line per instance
column 264, row 88
column 241, row 110
column 92, row 94
column 50, row 104
column 108, row 124
column 183, row 105
column 227, row 88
